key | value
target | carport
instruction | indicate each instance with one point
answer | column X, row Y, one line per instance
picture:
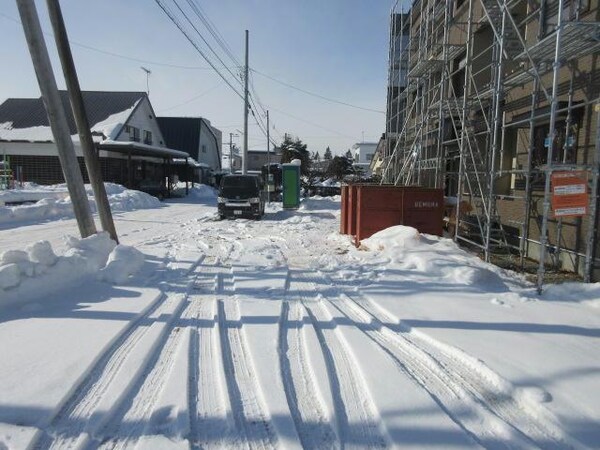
column 148, row 167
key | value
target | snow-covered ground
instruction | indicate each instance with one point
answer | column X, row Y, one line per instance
column 199, row 333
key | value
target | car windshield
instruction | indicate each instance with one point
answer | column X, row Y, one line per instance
column 239, row 182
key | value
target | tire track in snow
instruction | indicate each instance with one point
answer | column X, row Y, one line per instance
column 132, row 416
column 207, row 398
column 451, row 381
column 86, row 394
column 70, row 428
column 357, row 418
column 252, row 425
column 299, row 382
column 136, row 413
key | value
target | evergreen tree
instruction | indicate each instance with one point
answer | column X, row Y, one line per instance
column 339, row 167
column 328, row 154
column 349, row 155
column 316, row 156
column 295, row 149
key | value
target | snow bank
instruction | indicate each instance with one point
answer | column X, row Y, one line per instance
column 123, row 262
column 436, row 258
column 393, row 238
column 588, row 294
column 37, row 271
column 202, row 191
column 120, row 199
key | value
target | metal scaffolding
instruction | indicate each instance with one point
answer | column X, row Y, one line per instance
column 499, row 95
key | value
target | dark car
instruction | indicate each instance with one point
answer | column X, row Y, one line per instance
column 241, row 196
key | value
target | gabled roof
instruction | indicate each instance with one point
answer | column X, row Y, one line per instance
column 99, row 105
column 182, row 133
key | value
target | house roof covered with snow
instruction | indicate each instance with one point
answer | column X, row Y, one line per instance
column 26, row 119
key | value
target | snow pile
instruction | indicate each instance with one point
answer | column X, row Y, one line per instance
column 202, row 192
column 393, row 239
column 436, row 258
column 120, row 199
column 123, row 262
column 37, row 271
column 588, row 294
column 329, row 182
column 31, row 192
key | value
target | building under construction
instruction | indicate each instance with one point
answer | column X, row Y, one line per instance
column 494, row 101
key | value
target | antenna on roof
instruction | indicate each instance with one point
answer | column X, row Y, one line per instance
column 148, row 72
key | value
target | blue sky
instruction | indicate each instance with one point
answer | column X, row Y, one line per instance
column 335, row 48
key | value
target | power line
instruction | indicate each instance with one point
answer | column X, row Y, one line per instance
column 205, row 41
column 118, row 55
column 195, row 45
column 196, row 97
column 218, row 37
column 322, row 97
column 221, row 43
column 311, row 123
column 214, row 31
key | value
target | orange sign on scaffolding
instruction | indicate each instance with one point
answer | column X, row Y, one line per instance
column 570, row 197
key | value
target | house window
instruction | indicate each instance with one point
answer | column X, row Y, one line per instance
column 203, row 148
column 147, row 137
column 369, row 156
column 134, row 133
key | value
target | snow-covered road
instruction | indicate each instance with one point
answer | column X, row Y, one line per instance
column 280, row 334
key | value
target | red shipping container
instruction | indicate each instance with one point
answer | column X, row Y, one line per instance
column 380, row 207
column 351, row 217
column 344, row 212
column 423, row 209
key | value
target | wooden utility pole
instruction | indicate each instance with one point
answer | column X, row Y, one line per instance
column 230, row 152
column 268, row 162
column 92, row 161
column 56, row 116
column 246, row 108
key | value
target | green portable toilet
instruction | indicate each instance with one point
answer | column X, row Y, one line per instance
column 290, row 174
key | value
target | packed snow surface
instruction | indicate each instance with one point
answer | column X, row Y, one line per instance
column 279, row 333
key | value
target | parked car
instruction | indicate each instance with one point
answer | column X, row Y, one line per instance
column 241, row 196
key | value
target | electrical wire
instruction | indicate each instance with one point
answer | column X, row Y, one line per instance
column 116, row 55
column 213, row 30
column 312, row 123
column 196, row 46
column 322, row 97
column 206, row 42
column 223, row 44
column 196, row 97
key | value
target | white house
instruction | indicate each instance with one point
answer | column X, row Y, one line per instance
column 363, row 155
column 129, row 141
